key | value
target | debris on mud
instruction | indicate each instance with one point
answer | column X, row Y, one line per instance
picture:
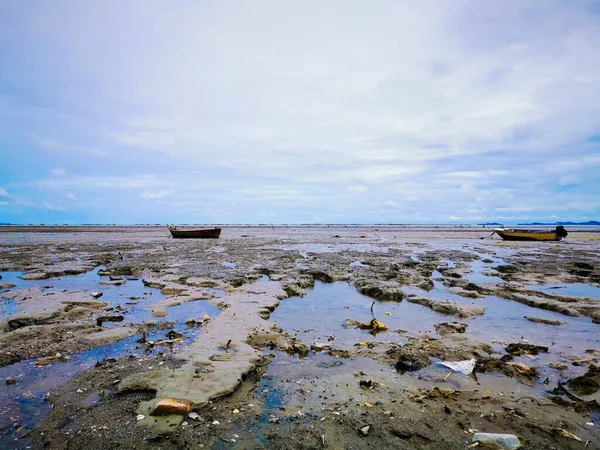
column 520, row 349
column 52, row 359
column 525, row 374
column 374, row 326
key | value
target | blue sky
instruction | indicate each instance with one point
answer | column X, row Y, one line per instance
column 299, row 112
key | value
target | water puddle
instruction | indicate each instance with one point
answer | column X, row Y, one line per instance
column 321, row 314
column 570, row 289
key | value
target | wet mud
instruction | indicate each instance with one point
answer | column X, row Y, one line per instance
column 306, row 337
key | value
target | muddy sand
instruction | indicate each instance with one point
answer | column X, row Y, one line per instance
column 297, row 337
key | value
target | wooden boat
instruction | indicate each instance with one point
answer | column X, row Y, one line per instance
column 522, row 234
column 198, row 233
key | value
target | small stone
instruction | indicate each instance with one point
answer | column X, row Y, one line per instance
column 10, row 380
column 190, row 321
column 368, row 405
column 140, row 417
column 184, row 423
column 194, row 416
column 236, row 411
column 216, row 422
column 97, row 294
column 365, row 430
column 205, row 318
column 79, row 391
column 158, row 313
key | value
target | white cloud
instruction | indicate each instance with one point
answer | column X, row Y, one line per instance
column 69, row 196
column 157, row 194
column 357, row 188
column 52, row 207
column 3, row 193
column 56, row 145
column 449, row 107
column 58, row 172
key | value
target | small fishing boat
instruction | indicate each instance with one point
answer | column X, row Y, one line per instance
column 522, row 234
column 197, row 233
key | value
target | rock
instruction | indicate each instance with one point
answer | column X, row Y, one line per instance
column 194, row 416
column 171, row 291
column 113, row 283
column 380, row 290
column 158, row 313
column 545, row 321
column 318, row 347
column 96, row 294
column 10, row 381
column 101, row 320
column 365, row 430
column 300, row 348
column 205, row 318
column 35, row 276
column 447, row 328
column 140, row 417
column 236, row 411
column 171, row 405
column 587, row 384
column 520, row 349
column 190, row 321
column 497, row 440
column 6, row 285
column 461, row 310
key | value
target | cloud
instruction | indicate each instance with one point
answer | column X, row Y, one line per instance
column 157, row 194
column 357, row 188
column 69, row 196
column 58, row 172
column 51, row 207
column 270, row 106
column 3, row 193
column 56, row 145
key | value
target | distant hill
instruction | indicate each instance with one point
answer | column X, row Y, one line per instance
column 490, row 223
column 589, row 222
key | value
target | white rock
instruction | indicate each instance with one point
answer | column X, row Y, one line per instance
column 140, row 417
column 194, row 416
column 97, row 294
column 365, row 430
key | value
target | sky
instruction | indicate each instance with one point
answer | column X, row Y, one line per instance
column 313, row 111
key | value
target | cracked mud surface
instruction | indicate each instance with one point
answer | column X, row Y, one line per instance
column 279, row 345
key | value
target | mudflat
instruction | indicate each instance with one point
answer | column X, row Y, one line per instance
column 297, row 337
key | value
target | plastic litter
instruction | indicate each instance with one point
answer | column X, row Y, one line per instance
column 503, row 441
column 464, row 367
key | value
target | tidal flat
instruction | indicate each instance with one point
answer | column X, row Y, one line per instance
column 297, row 337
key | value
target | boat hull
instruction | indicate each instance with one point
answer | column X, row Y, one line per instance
column 526, row 235
column 199, row 233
